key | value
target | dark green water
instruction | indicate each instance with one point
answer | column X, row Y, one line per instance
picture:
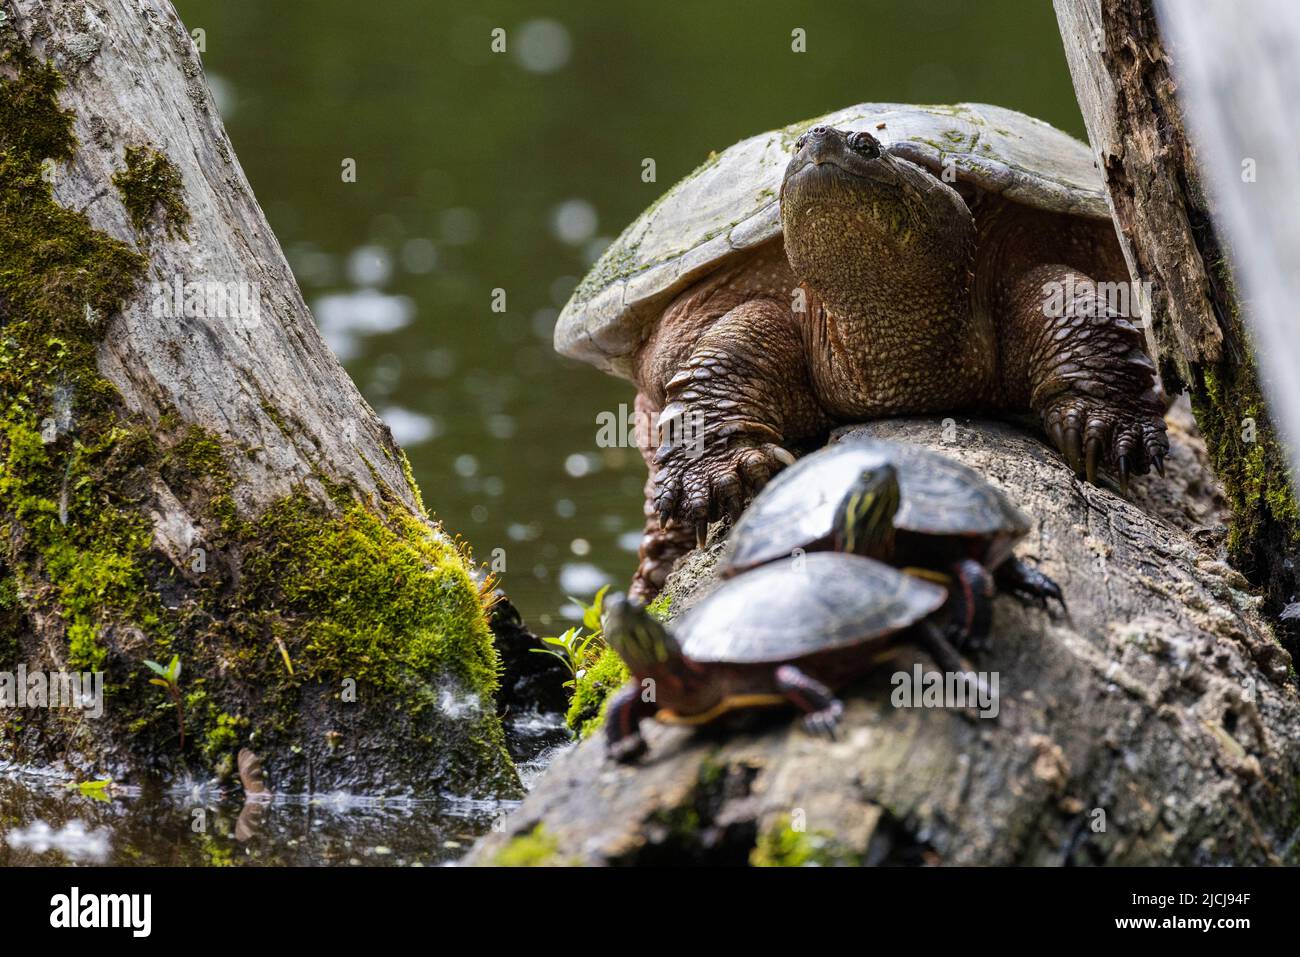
column 478, row 171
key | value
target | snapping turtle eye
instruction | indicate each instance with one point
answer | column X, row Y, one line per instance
column 866, row 144
column 798, row 144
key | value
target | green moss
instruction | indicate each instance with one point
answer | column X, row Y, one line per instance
column 11, row 612
column 411, row 484
column 1246, row 452
column 782, row 846
column 58, row 276
column 661, row 607
column 222, row 736
column 537, row 848
column 151, row 187
column 1252, row 468
column 587, row 707
column 344, row 589
column 200, row 453
column 370, row 599
column 682, row 822
column 32, row 126
column 277, row 417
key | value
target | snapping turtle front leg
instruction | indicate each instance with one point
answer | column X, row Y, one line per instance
column 661, row 546
column 1085, row 372
column 741, row 398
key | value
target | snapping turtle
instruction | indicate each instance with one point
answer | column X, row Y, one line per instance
column 786, row 633
column 881, row 260
column 916, row 509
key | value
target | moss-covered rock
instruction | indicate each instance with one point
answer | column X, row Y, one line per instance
column 339, row 635
column 592, row 689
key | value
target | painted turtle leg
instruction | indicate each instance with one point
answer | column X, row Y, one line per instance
column 1025, row 581
column 1084, row 370
column 950, row 660
column 821, row 708
column 970, row 603
column 742, row 397
column 623, row 741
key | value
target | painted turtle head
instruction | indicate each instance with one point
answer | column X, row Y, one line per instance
column 640, row 639
column 864, row 519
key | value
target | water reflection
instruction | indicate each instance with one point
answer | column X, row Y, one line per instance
column 53, row 824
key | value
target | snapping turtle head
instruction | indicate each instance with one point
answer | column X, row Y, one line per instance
column 852, row 213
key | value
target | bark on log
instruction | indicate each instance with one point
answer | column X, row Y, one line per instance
column 1157, row 725
column 145, row 418
column 1127, row 78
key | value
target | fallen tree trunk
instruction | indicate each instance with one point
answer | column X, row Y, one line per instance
column 1156, row 725
column 1172, row 229
column 187, row 470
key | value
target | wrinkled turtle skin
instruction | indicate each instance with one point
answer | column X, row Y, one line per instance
column 881, row 260
column 790, row 632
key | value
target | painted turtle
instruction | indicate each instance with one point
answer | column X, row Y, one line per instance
column 788, row 632
column 899, row 503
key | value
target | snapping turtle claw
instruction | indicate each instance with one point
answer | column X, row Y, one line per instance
column 782, row 455
column 1073, row 449
column 1094, row 450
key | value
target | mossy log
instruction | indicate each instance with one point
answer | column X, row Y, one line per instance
column 186, row 470
column 1175, row 229
column 1158, row 724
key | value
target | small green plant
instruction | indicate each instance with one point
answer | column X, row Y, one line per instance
column 170, row 679
column 579, row 651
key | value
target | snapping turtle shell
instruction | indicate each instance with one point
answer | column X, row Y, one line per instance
column 731, row 204
column 938, row 497
column 790, row 609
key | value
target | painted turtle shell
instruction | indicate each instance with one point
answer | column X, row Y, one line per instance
column 730, row 204
column 789, row 609
column 938, row 497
